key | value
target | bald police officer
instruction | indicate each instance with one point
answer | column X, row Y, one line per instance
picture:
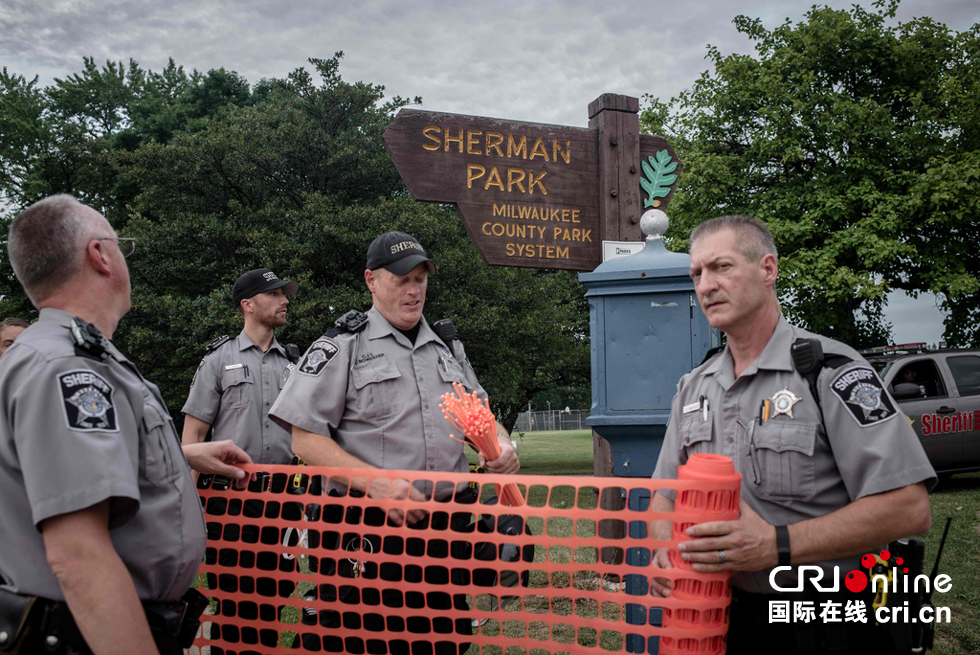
column 239, row 379
column 366, row 394
column 100, row 518
column 824, row 479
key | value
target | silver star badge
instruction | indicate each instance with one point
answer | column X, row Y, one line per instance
column 783, row 402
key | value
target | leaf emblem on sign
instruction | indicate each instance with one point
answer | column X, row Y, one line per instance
column 658, row 177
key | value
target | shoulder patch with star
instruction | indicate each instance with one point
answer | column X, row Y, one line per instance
column 318, row 356
column 862, row 394
column 87, row 401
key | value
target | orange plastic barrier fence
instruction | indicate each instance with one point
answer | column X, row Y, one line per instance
column 296, row 564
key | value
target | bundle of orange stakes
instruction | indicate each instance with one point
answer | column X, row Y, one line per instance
column 479, row 427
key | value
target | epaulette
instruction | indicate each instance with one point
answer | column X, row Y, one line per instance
column 214, row 345
column 353, row 321
column 88, row 339
column 711, row 353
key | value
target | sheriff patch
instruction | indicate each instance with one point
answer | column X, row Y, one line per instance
column 861, row 392
column 196, row 373
column 318, row 356
column 87, row 399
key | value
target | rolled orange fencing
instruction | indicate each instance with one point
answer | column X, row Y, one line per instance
column 296, row 564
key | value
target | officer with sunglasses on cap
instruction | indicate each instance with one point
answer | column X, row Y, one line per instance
column 239, row 379
column 366, row 395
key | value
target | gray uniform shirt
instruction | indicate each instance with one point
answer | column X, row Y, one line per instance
column 233, row 390
column 75, row 431
column 799, row 467
column 378, row 396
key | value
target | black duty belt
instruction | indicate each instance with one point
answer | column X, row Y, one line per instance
column 29, row 624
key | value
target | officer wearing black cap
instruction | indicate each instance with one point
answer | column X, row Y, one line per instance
column 366, row 395
column 369, row 396
column 239, row 379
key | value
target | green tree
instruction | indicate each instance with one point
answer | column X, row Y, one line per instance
column 858, row 144
column 23, row 134
column 300, row 182
column 172, row 102
column 97, row 99
column 577, row 398
column 65, row 138
column 214, row 177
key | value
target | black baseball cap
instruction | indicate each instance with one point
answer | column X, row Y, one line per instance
column 257, row 281
column 398, row 253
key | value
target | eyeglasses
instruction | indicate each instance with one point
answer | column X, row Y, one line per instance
column 127, row 245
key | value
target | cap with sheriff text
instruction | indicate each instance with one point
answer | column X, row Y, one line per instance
column 257, row 281
column 398, row 253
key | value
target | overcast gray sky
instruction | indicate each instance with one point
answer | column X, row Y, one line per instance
column 524, row 60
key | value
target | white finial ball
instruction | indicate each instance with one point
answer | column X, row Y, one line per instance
column 654, row 223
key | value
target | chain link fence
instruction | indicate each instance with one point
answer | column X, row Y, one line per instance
column 551, row 420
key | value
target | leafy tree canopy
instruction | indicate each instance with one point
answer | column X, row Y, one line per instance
column 214, row 178
column 858, row 144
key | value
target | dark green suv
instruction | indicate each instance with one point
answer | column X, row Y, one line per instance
column 939, row 391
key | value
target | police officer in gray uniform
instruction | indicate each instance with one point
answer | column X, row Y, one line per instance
column 367, row 394
column 239, row 379
column 824, row 479
column 102, row 528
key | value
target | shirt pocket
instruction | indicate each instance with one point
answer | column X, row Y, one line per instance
column 450, row 370
column 785, row 457
column 695, row 433
column 158, row 447
column 377, row 388
column 236, row 388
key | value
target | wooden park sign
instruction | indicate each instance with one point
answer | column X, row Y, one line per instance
column 537, row 195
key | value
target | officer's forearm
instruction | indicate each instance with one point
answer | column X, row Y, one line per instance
column 661, row 504
column 502, row 436
column 507, row 463
column 862, row 526
column 320, row 450
column 96, row 584
column 194, row 430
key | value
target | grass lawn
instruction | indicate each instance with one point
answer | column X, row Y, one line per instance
column 567, row 452
column 959, row 498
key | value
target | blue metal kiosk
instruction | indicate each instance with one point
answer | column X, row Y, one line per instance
column 647, row 331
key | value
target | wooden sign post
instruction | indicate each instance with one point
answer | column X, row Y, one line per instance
column 538, row 195
column 525, row 191
column 532, row 194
